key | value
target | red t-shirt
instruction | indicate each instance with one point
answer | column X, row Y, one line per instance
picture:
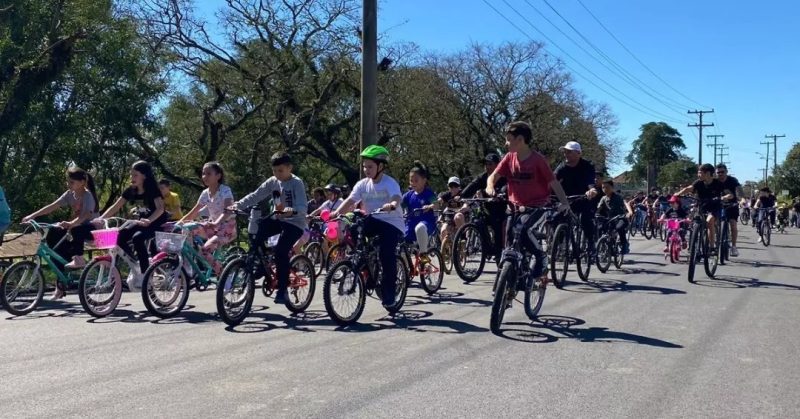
column 528, row 180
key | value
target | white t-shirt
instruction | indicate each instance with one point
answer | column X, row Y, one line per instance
column 215, row 205
column 374, row 195
column 331, row 205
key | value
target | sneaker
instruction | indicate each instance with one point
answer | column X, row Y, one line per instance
column 78, row 262
column 734, row 251
column 759, row 239
column 684, row 245
column 134, row 281
column 666, row 249
column 282, row 297
column 626, row 248
column 57, row 295
column 424, row 259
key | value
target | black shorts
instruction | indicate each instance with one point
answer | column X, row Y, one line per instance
column 732, row 213
column 711, row 207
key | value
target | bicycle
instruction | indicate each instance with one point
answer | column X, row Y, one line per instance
column 660, row 227
column 314, row 249
column 514, row 267
column 744, row 217
column 100, row 285
column 349, row 281
column 674, row 240
column 445, row 244
column 764, row 228
column 699, row 247
column 22, row 285
column 723, row 244
column 473, row 241
column 569, row 243
column 237, row 282
column 608, row 247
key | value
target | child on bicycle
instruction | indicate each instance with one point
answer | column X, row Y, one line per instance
column 419, row 203
column 81, row 198
column 221, row 228
column 149, row 206
column 676, row 211
column 379, row 191
column 451, row 200
column 612, row 205
column 288, row 195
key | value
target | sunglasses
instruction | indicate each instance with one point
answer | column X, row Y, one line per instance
column 721, row 172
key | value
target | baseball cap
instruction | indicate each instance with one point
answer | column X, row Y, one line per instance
column 454, row 179
column 572, row 145
column 492, row 157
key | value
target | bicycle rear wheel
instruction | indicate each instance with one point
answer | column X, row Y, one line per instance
column 165, row 288
column 400, row 287
column 235, row 291
column 560, row 254
column 337, row 253
column 21, row 288
column 503, row 295
column 313, row 252
column 603, row 260
column 447, row 255
column 302, row 284
column 468, row 257
column 100, row 288
column 431, row 274
column 583, row 259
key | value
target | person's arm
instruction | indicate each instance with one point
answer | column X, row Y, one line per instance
column 472, row 188
column 114, row 209
column 159, row 202
column 557, row 189
column 43, row 211
column 628, row 208
column 192, row 214
column 261, row 193
column 684, row 191
column 300, row 198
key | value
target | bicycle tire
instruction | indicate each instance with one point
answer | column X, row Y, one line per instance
column 400, row 289
column 160, row 307
column 432, row 274
column 335, row 284
column 501, row 295
column 618, row 256
column 535, row 289
column 302, row 277
column 446, row 249
column 7, row 281
column 105, row 306
column 560, row 255
column 603, row 259
column 583, row 261
column 693, row 244
column 767, row 233
column 464, row 241
column 647, row 228
column 711, row 263
column 337, row 253
column 674, row 250
column 232, row 307
column 313, row 251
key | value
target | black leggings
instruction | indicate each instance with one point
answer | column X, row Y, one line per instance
column 139, row 235
column 388, row 238
column 289, row 234
column 68, row 248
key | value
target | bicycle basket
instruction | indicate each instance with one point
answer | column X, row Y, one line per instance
column 169, row 242
column 673, row 224
column 105, row 238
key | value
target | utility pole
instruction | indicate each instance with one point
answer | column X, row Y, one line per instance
column 715, row 145
column 766, row 165
column 722, row 154
column 774, row 149
column 369, row 74
column 700, row 138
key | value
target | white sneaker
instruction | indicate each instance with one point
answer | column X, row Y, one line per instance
column 759, row 239
column 734, row 251
column 134, row 281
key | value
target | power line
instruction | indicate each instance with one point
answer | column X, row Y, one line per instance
column 651, row 112
column 700, row 137
column 622, row 72
column 637, row 58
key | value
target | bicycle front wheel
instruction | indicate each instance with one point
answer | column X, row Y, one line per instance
column 694, row 247
column 344, row 293
column 431, row 274
column 100, row 288
column 583, row 260
column 235, row 291
column 447, row 255
column 766, row 233
column 22, row 288
column 534, row 296
column 603, row 260
column 468, row 257
column 560, row 254
column 165, row 288
column 503, row 295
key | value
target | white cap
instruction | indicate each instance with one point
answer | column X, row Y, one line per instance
column 454, row 179
column 572, row 145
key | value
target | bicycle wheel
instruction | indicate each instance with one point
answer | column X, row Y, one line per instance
column 400, row 287
column 647, row 228
column 503, row 295
column 662, row 233
column 100, row 288
column 431, row 274
column 745, row 218
column 534, row 296
column 337, row 253
column 694, row 248
column 165, row 288
column 766, row 233
column 468, row 257
column 618, row 256
column 302, row 284
column 583, row 259
column 725, row 248
column 235, row 291
column 344, row 293
column 674, row 250
column 447, row 255
column 560, row 254
column 313, row 252
column 21, row 288
column 711, row 262
column 603, row 260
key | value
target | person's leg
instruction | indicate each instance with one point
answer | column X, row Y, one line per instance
column 532, row 244
column 421, row 233
column 388, row 239
column 496, row 222
column 289, row 236
column 622, row 233
column 711, row 221
column 57, row 240
column 80, row 235
column 139, row 240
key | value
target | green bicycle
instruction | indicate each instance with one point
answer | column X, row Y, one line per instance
column 22, row 285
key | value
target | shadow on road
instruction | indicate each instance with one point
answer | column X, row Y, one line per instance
column 563, row 327
column 618, row 285
column 447, row 298
column 732, row 281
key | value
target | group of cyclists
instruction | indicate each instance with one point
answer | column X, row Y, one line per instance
column 516, row 191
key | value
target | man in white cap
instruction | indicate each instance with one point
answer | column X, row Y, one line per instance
column 449, row 200
column 577, row 177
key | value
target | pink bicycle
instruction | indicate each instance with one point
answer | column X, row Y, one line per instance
column 675, row 243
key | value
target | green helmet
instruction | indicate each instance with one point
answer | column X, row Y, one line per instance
column 376, row 153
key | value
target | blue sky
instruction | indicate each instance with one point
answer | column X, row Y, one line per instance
column 740, row 58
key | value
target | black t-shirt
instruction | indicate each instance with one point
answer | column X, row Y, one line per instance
column 705, row 193
column 576, row 180
column 675, row 213
column 479, row 184
column 767, row 201
column 730, row 185
column 449, row 200
column 145, row 203
column 796, row 206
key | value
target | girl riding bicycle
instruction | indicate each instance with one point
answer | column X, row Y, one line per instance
column 675, row 210
column 81, row 198
column 220, row 229
column 419, row 203
column 146, row 196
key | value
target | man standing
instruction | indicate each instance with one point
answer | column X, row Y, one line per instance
column 497, row 210
column 577, row 177
column 731, row 185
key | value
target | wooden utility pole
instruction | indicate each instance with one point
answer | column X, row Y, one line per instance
column 774, row 149
column 700, row 138
column 766, row 165
column 369, row 74
column 716, row 145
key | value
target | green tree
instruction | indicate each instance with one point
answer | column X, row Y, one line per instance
column 657, row 145
column 677, row 173
column 787, row 175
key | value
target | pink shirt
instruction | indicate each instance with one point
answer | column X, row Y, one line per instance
column 528, row 180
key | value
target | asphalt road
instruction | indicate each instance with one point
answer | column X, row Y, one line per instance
column 637, row 342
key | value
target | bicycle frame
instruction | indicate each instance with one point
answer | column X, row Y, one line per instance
column 44, row 252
